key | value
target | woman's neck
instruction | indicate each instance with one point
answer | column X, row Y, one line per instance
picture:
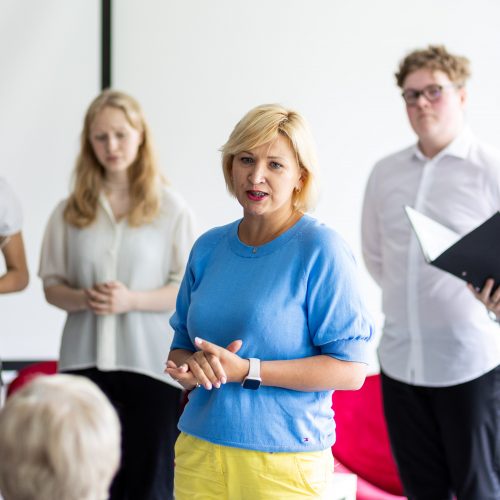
column 118, row 195
column 255, row 230
column 116, row 183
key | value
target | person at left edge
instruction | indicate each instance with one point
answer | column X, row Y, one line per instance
column 269, row 302
column 16, row 274
column 113, row 255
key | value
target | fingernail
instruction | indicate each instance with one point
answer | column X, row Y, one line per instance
column 223, row 380
column 208, row 387
column 217, row 385
column 197, row 340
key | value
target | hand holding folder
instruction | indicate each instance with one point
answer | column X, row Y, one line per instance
column 474, row 257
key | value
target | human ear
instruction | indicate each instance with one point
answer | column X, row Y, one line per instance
column 302, row 178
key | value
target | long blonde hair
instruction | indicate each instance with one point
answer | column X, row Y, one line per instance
column 144, row 175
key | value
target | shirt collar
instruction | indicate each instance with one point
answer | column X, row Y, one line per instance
column 104, row 202
column 459, row 147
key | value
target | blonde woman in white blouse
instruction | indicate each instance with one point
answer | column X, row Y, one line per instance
column 113, row 255
column 16, row 275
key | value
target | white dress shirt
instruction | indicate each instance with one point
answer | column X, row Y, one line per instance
column 435, row 332
column 10, row 210
column 143, row 258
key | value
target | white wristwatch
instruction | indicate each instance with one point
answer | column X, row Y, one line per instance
column 252, row 380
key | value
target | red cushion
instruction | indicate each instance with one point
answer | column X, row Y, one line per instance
column 362, row 442
column 29, row 372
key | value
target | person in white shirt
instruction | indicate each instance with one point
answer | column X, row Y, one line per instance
column 439, row 352
column 113, row 256
column 16, row 274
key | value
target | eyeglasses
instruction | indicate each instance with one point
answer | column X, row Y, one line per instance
column 432, row 93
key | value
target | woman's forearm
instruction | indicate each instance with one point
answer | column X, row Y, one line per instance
column 66, row 298
column 161, row 299
column 317, row 373
column 16, row 277
column 14, row 280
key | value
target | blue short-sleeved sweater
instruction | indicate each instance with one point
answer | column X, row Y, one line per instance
column 294, row 297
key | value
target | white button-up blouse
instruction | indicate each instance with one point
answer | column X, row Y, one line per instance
column 143, row 258
column 435, row 333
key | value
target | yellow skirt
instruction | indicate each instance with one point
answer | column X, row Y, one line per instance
column 205, row 471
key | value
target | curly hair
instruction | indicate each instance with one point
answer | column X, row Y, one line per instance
column 144, row 174
column 434, row 58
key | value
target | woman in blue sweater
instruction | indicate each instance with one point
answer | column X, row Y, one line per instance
column 269, row 321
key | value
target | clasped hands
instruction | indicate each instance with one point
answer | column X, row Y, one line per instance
column 111, row 297
column 211, row 366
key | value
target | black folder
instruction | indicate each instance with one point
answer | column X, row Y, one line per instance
column 474, row 257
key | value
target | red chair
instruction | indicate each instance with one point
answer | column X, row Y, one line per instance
column 362, row 444
column 29, row 372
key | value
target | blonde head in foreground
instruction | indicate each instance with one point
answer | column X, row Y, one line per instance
column 59, row 440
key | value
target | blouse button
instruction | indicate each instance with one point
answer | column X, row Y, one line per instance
column 254, row 250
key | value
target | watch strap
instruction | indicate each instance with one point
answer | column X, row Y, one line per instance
column 254, row 370
column 252, row 380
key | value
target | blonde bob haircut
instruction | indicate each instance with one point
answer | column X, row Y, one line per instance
column 59, row 440
column 144, row 175
column 264, row 124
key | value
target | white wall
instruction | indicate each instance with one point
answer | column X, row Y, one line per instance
column 49, row 72
column 197, row 66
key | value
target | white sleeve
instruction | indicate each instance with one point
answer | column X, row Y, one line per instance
column 11, row 216
column 183, row 239
column 370, row 231
column 53, row 259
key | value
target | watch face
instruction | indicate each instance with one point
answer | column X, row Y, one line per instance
column 251, row 383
